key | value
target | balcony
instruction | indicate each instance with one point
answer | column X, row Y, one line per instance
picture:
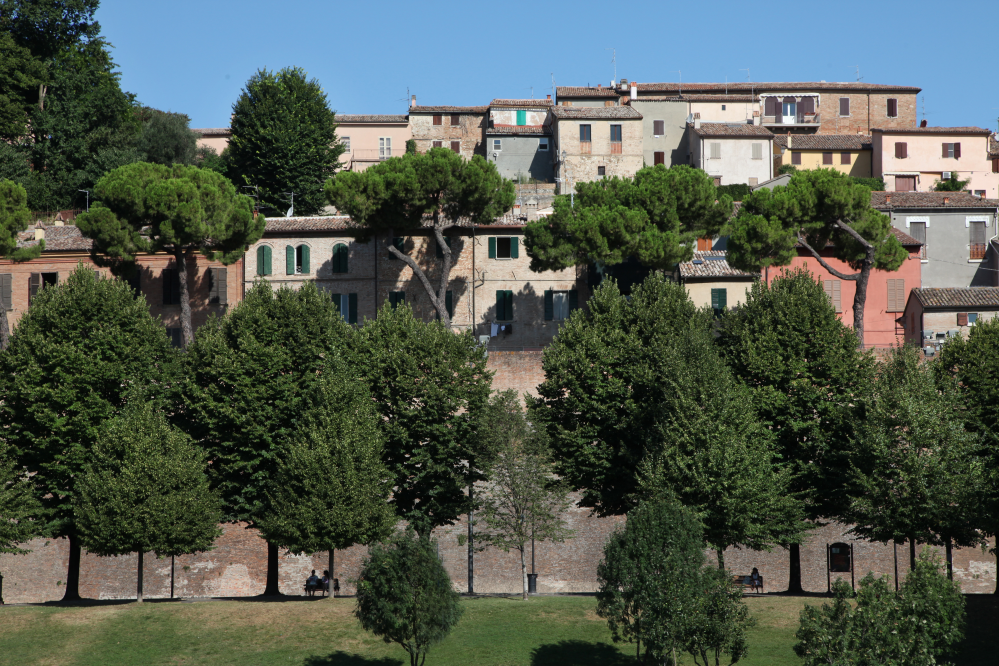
column 797, row 120
column 367, row 155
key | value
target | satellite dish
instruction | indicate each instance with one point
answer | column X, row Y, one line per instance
column 290, row 211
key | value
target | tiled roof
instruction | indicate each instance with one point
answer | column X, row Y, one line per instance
column 296, row 224
column 731, row 130
column 448, row 109
column 745, row 86
column 880, row 200
column 710, row 263
column 696, row 98
column 581, row 91
column 212, row 131
column 57, row 239
column 521, row 129
column 904, row 238
column 993, row 148
column 597, row 112
column 522, row 102
column 365, row 118
column 931, row 130
column 825, row 141
column 958, row 297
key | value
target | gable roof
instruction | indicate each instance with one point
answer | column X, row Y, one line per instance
column 958, row 297
column 895, row 200
column 519, row 129
column 57, row 239
column 540, row 103
column 371, row 118
column 276, row 225
column 825, row 141
column 584, row 91
column 731, row 130
column 597, row 112
column 753, row 87
column 931, row 130
column 212, row 131
column 448, row 109
column 710, row 263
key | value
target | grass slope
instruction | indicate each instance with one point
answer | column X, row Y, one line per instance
column 494, row 631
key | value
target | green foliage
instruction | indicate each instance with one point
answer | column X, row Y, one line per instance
column 49, row 28
column 786, row 168
column 410, row 146
column 284, row 140
column 428, row 383
column 404, row 595
column 205, row 157
column 21, row 74
column 330, row 489
column 77, row 351
column 952, row 184
column 806, row 375
column 251, row 376
column 918, row 472
column 719, row 622
column 166, row 137
column 655, row 217
column 919, row 626
column 145, row 489
column 19, row 509
column 873, row 184
column 522, row 502
column 15, row 218
column 736, row 191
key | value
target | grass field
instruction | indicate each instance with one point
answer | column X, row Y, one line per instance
column 544, row 631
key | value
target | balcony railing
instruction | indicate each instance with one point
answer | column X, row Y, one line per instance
column 797, row 119
column 977, row 250
column 367, row 155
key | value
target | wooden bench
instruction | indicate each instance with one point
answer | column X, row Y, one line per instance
column 743, row 582
column 310, row 590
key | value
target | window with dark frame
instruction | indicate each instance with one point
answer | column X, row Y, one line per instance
column 503, row 247
column 952, row 150
column 438, row 119
column 543, row 145
column 176, row 335
column 658, row 157
column 504, row 305
column 456, row 147
column 497, row 145
column 892, row 107
column 827, row 157
column 918, row 231
column 171, row 286
column 455, row 120
column 399, row 242
column 615, row 137
column 844, row 106
column 719, row 300
column 845, row 158
column 6, row 291
column 601, row 171
column 346, row 305
column 977, row 245
column 658, row 127
column 340, row 258
column 901, row 150
column 559, row 305
column 584, row 133
column 438, row 144
column 218, row 288
column 396, row 298
column 795, row 158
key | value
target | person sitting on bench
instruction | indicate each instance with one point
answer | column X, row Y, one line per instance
column 756, row 581
column 312, row 584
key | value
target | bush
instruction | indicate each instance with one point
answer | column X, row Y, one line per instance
column 875, row 184
column 737, row 191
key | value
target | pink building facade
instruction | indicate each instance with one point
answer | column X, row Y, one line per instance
column 913, row 160
column 887, row 292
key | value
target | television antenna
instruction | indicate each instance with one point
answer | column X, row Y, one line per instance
column 255, row 196
column 292, row 200
column 752, row 88
column 680, row 83
column 859, row 77
column 613, row 60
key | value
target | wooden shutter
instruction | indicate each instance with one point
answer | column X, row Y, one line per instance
column 808, row 105
column 795, row 158
column 995, row 165
column 217, row 287
column 449, row 303
column 501, row 305
column 832, row 289
column 306, row 268
column 260, row 260
column 521, row 117
column 715, row 151
column 351, row 308
column 827, row 158
column 549, row 305
column 896, row 295
column 338, row 303
column 901, row 150
column 757, row 151
column 719, row 299
column 573, row 300
column 962, row 318
column 34, row 284
column 492, row 247
column 659, row 127
column 455, row 120
column 508, row 295
column 289, row 260
column 658, row 157
column 770, row 106
column 6, row 289
column 957, row 151
column 171, row 286
column 844, row 106
column 438, row 119
column 514, row 248
column 945, row 149
column 892, row 107
column 456, row 146
column 845, row 158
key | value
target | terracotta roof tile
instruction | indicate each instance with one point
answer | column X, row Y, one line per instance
column 544, row 103
column 958, row 297
column 710, row 263
column 296, row 224
column 880, row 200
column 521, row 129
column 825, row 141
column 583, row 91
column 731, row 130
column 57, row 239
column 448, row 109
column 904, row 238
column 993, row 148
column 597, row 112
column 212, row 131
column 764, row 87
column 696, row 98
column 369, row 118
column 930, row 130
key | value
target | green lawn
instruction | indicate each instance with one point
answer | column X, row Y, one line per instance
column 496, row 631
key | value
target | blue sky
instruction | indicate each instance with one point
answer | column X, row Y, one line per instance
column 194, row 57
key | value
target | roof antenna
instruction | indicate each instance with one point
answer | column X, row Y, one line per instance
column 752, row 88
column 859, row 77
column 613, row 61
column 554, row 96
column 679, row 85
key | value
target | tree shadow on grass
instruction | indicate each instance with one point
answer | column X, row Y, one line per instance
column 579, row 653
column 981, row 618
column 339, row 658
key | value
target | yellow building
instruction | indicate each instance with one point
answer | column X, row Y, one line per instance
column 711, row 282
column 850, row 154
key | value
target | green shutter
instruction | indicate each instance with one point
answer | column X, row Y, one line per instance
column 267, row 260
column 289, row 257
column 509, row 305
column 521, row 117
column 340, row 259
column 573, row 300
column 492, row 247
column 336, row 302
column 514, row 248
column 549, row 305
column 261, row 262
column 500, row 303
column 719, row 299
column 305, row 259
column 449, row 304
column 351, row 308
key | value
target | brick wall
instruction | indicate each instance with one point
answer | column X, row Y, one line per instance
column 470, row 132
column 866, row 111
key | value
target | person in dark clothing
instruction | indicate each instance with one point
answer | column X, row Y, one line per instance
column 336, row 586
column 312, row 584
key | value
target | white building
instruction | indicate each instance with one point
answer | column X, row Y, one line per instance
column 732, row 152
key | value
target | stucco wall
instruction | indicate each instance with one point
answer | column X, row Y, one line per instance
column 520, row 155
column 364, row 142
column 673, row 143
column 925, row 157
column 583, row 168
column 948, row 236
column 859, row 167
column 700, row 292
column 508, row 116
column 734, row 112
column 736, row 164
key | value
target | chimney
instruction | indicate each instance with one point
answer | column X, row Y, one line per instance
column 697, row 121
column 412, row 102
column 887, row 198
column 39, row 232
column 946, row 201
column 788, row 139
column 549, row 98
column 600, row 86
column 923, row 123
column 634, row 90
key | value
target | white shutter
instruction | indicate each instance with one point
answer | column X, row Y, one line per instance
column 757, row 151
column 715, row 151
column 388, row 146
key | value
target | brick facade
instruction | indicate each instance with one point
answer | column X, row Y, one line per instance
column 469, row 132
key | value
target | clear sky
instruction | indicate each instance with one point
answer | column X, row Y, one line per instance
column 194, row 56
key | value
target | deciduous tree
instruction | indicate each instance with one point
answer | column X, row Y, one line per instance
column 14, row 218
column 166, row 138
column 178, row 210
column 20, row 510
column 818, row 208
column 145, row 489
column 437, row 189
column 77, row 351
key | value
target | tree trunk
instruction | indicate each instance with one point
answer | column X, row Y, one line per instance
column 949, row 549
column 187, row 328
column 437, row 297
column 912, row 553
column 138, row 583
column 332, row 566
column 73, row 573
column 523, row 571
column 271, row 588
column 471, row 542
column 41, row 96
column 721, row 558
column 794, row 571
column 4, row 327
column 860, row 297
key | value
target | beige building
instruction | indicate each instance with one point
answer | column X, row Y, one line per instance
column 460, row 128
column 711, row 282
column 216, row 138
column 915, row 159
column 934, row 315
column 847, row 153
column 732, row 152
column 596, row 142
column 369, row 139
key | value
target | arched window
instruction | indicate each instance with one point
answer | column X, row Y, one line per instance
column 264, row 260
column 340, row 258
column 297, row 260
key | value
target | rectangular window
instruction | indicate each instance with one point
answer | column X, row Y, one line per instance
column 521, row 117
column 977, row 246
column 341, row 257
column 497, row 144
column 218, row 289
column 448, row 306
column 795, row 158
column 397, row 298
column 504, row 247
column 972, row 318
column 995, row 165
column 171, row 286
column 918, row 231
column 6, row 289
column 844, row 106
column 757, row 151
column 456, row 147
column 438, row 119
column 399, row 242
column 845, row 158
column 345, row 140
column 905, row 183
column 980, row 193
column 450, row 245
column 658, row 128
column 455, row 120
column 384, row 147
column 952, row 150
column 715, row 149
column 896, row 296
column 827, row 158
column 719, row 300
column 584, row 133
column 302, row 263
column 723, row 107
column 832, row 289
column 717, row 180
column 438, row 144
column 704, row 243
column 658, row 157
column 901, row 150
column 504, row 305
column 176, row 336
column 615, row 131
column 560, row 304
column 601, row 171
column 892, row 108
column 346, row 305
column 543, row 145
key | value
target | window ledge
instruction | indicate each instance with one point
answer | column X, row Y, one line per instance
column 975, row 261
